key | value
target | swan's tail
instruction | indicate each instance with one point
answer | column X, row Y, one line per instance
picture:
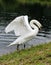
column 14, row 43
column 10, row 44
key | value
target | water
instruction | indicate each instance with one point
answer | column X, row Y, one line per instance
column 6, row 39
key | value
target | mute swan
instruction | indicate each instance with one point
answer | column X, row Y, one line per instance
column 23, row 29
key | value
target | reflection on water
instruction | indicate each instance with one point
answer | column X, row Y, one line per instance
column 6, row 39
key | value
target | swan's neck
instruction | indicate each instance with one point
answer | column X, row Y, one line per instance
column 33, row 26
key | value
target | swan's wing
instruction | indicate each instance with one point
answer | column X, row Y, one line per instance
column 20, row 26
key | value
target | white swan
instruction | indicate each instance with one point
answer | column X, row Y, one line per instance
column 23, row 29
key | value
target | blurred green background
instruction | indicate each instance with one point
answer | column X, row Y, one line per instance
column 13, row 5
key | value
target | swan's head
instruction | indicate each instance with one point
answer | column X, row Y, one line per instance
column 36, row 23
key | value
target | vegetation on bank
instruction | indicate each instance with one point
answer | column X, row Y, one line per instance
column 27, row 1
column 38, row 55
column 13, row 4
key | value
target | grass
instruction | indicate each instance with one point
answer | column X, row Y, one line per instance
column 38, row 55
